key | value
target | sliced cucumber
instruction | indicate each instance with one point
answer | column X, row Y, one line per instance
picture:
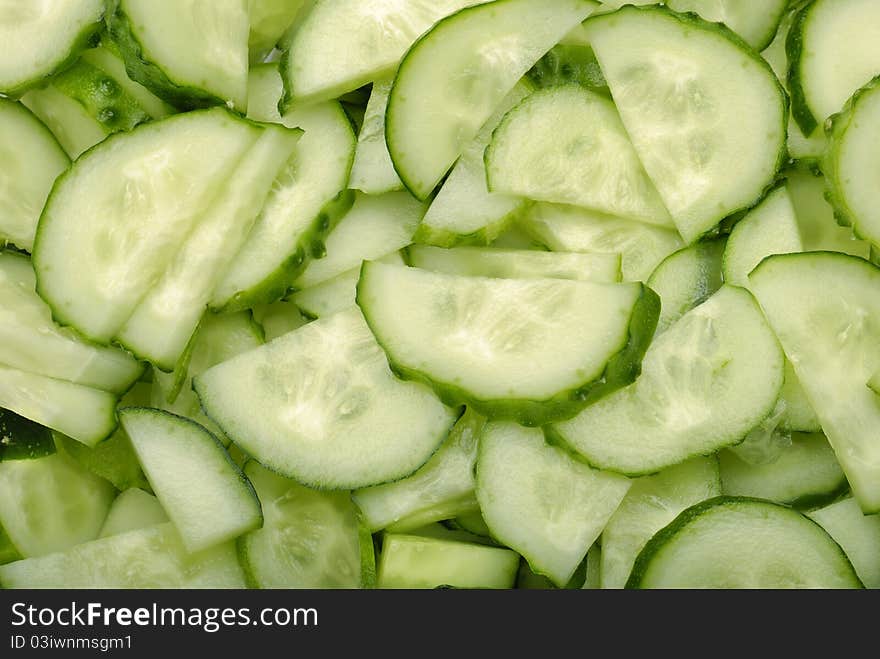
column 309, row 539
column 279, row 318
column 567, row 145
column 711, row 140
column 857, row 534
column 113, row 459
column 593, row 573
column 478, row 340
column 22, row 439
column 434, row 110
column 706, row 381
column 269, row 20
column 540, row 501
column 756, row 25
column 76, row 130
column 570, row 62
column 473, row 522
column 321, row 405
column 133, row 509
column 372, row 171
column 798, row 414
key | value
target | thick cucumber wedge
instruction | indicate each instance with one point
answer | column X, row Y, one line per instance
column 805, row 475
column 567, row 145
column 308, row 539
column 857, row 534
column 825, row 309
column 686, row 279
column 833, row 49
column 755, row 24
column 205, row 494
column 51, row 504
column 540, row 501
column 117, row 218
column 153, row 557
column 341, row 45
column 31, row 342
column 651, row 503
column 39, row 38
column 736, row 542
column 569, row 229
column 191, row 53
column 479, row 341
column 434, row 110
column 32, row 160
column 409, row 561
column 443, row 488
column 133, row 509
column 162, row 324
column 321, row 405
column 372, row 171
column 706, row 381
column 711, row 140
column 269, row 20
column 307, row 200
column 516, row 264
column 22, row 439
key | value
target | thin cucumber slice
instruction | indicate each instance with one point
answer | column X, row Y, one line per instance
column 22, row 439
column 279, row 318
column 321, row 405
column 40, row 38
column 706, row 381
column 51, row 504
column 857, row 534
column 133, row 509
column 473, row 522
column 32, row 160
column 434, row 110
column 409, row 561
column 307, row 200
column 478, row 340
column 516, row 264
column 372, row 171
column 833, row 49
column 830, row 339
column 686, row 279
column 798, row 414
column 567, row 63
column 736, row 542
column 341, row 45
column 567, row 145
column 569, row 229
column 515, row 237
column 117, row 218
column 217, row 506
column 153, row 557
column 308, row 539
column 691, row 119
column 804, row 475
column 756, row 25
column 191, row 53
column 441, row 489
column 269, row 20
column 593, row 574
column 540, row 501
column 8, row 552
column 651, row 503
column 76, row 130
column 447, row 532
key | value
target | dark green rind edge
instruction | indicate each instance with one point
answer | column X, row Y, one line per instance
column 643, row 560
column 483, row 237
column 794, row 49
column 368, row 552
column 620, row 370
column 23, row 439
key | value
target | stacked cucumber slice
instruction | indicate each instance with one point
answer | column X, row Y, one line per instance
column 440, row 293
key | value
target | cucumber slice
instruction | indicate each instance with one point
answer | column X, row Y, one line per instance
column 735, row 542
column 309, row 539
column 117, row 218
column 540, row 501
column 593, row 573
column 76, row 130
column 567, row 145
column 651, row 503
column 22, row 439
column 477, row 340
column 269, row 20
column 516, row 264
column 434, row 110
column 372, row 171
column 31, row 342
column 409, row 561
column 691, row 119
column 833, row 49
column 686, row 279
column 32, row 161
column 756, row 25
column 321, row 405
column 133, row 509
column 191, row 53
column 209, row 510
column 857, row 534
column 279, row 318
column 473, row 522
column 830, row 340
column 705, row 382
column 51, row 504
column 146, row 558
column 441, row 489
column 798, row 414
column 439, row 531
column 307, row 200
column 8, row 552
column 568, row 63
column 804, row 475
column 40, row 38
column 568, row 229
